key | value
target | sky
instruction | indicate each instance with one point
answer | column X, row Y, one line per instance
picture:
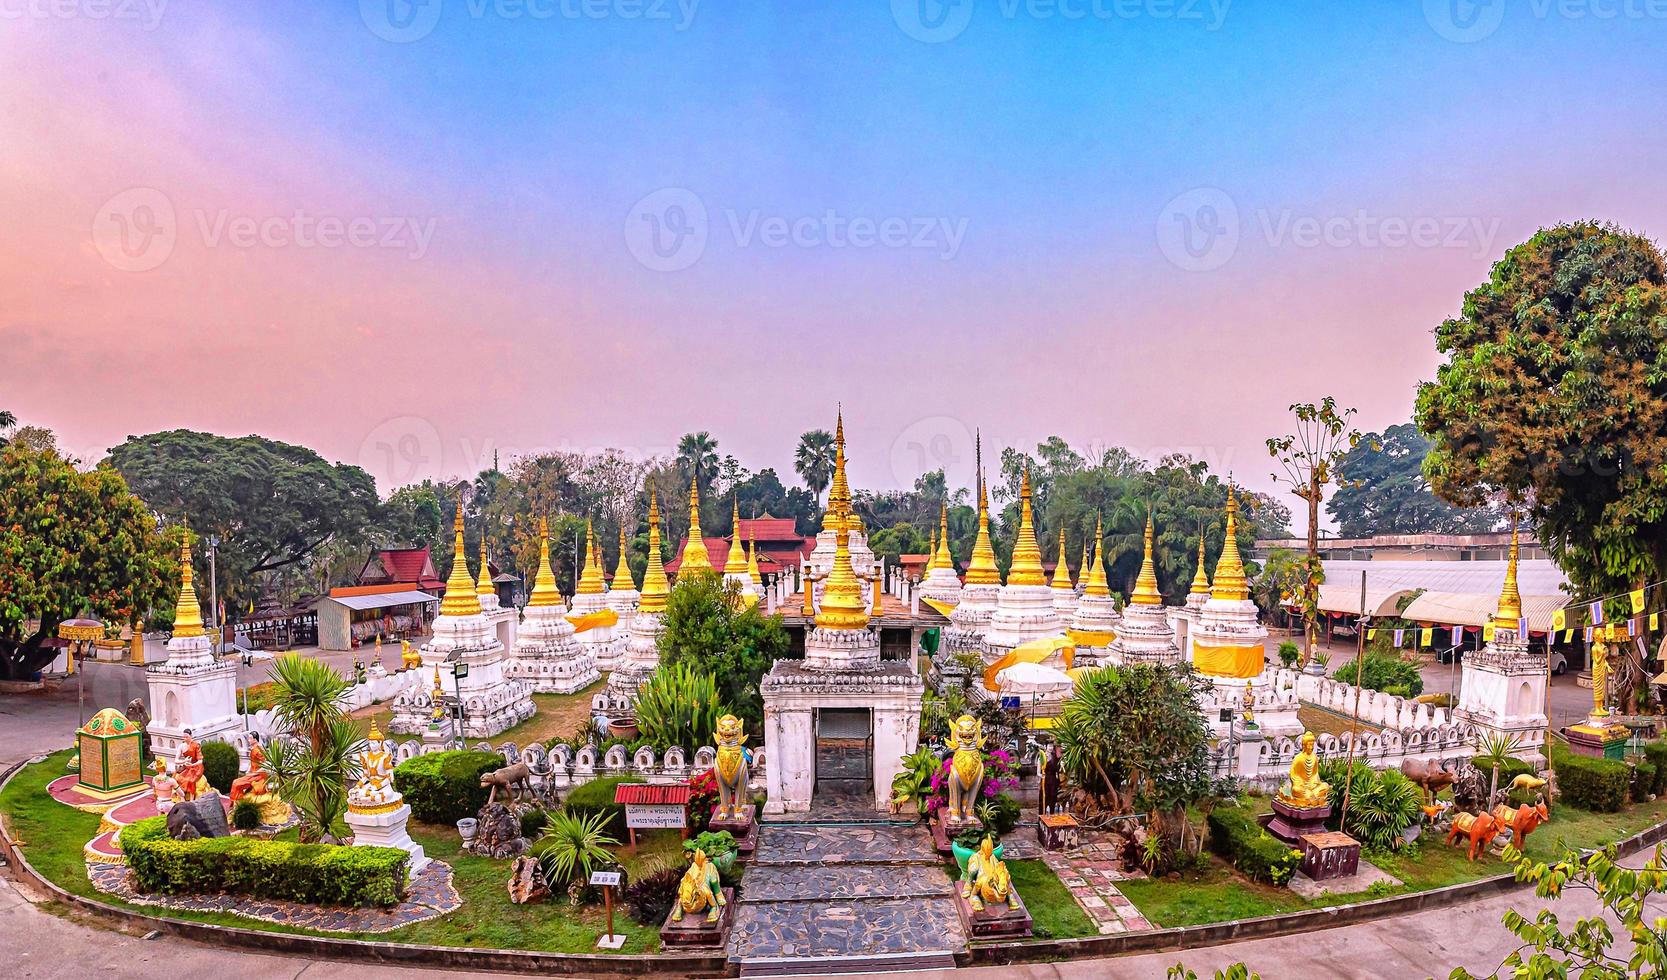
column 413, row 234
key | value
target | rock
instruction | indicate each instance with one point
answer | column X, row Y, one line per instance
column 498, row 834
column 526, row 881
column 204, row 816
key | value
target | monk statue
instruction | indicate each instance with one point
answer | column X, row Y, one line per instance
column 409, row 658
column 164, row 787
column 966, row 769
column 253, row 784
column 189, row 771
column 1305, row 789
column 699, row 891
column 986, row 879
column 376, row 772
column 732, row 771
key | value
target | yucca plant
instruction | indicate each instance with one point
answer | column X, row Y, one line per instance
column 679, row 706
column 913, row 783
column 314, row 767
column 573, row 846
column 1495, row 751
column 1381, row 808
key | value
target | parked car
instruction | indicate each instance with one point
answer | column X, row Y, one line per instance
column 1559, row 663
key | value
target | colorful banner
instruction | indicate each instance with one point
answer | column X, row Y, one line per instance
column 1487, row 631
column 1637, row 596
column 1559, row 621
column 1458, row 635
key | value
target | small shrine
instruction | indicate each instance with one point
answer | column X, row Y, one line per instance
column 193, row 690
column 110, row 747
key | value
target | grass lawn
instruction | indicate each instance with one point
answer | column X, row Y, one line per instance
column 1054, row 913
column 52, row 835
column 559, row 716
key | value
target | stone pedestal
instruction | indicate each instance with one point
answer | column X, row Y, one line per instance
column 1502, row 693
column 491, row 701
column 1330, row 855
column 1291, row 823
column 1599, row 738
column 1057, row 831
column 548, row 656
column 641, row 656
column 745, row 830
column 383, row 825
column 996, row 921
column 694, row 930
column 1144, row 637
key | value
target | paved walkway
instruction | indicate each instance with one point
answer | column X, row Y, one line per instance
column 1091, row 873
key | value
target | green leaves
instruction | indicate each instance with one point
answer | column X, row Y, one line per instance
column 679, row 705
column 572, row 846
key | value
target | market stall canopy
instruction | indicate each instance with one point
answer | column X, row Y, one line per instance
column 1476, row 608
column 1537, row 576
column 1341, row 596
column 382, row 600
column 1033, row 679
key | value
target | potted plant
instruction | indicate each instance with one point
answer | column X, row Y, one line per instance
column 624, row 728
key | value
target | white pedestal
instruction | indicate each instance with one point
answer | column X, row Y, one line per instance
column 387, row 830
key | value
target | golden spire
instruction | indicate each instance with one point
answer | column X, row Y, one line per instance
column 1026, row 566
column 483, row 584
column 1200, row 581
column 544, row 591
column 752, row 558
column 188, row 612
column 460, row 599
column 838, row 513
column 375, row 733
column 1146, row 583
column 590, row 580
column 944, row 558
column 695, row 557
column 622, row 573
column 736, row 563
column 932, row 553
column 1510, row 600
column 654, row 584
column 1096, row 574
column 842, row 605
column 981, row 569
column 1230, row 583
column 1062, row 570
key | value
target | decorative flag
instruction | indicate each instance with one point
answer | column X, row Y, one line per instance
column 1425, row 635
column 1568, row 636
column 1637, row 596
column 1632, row 627
column 1588, row 636
column 1487, row 631
column 1372, row 633
column 1559, row 621
column 1597, row 612
column 1655, row 621
column 1458, row 635
column 1522, row 628
column 1398, row 635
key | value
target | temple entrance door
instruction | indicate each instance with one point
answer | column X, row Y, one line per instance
column 844, row 753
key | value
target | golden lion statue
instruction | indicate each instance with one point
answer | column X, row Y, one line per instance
column 987, row 880
column 966, row 769
column 699, row 891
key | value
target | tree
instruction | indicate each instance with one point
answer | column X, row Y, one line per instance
column 813, row 460
column 707, row 629
column 899, row 539
column 1554, row 395
column 763, row 493
column 697, row 457
column 1309, row 459
column 412, row 516
column 72, row 543
column 1384, row 491
column 314, row 769
column 7, row 420
column 272, row 505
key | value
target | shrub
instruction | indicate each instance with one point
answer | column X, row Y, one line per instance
column 220, row 765
column 245, row 814
column 533, row 823
column 714, row 843
column 1239, row 839
column 679, row 705
column 1599, row 785
column 1288, row 653
column 703, row 796
column 999, row 815
column 319, row 874
column 1643, row 781
column 572, row 847
column 1382, row 807
column 1656, row 752
column 444, row 787
column 649, row 898
column 1383, row 672
column 597, row 796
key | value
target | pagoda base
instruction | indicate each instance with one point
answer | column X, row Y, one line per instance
column 381, row 827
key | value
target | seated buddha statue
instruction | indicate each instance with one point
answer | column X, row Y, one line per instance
column 986, row 879
column 376, row 772
column 1305, row 789
column 699, row 891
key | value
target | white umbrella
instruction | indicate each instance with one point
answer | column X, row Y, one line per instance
column 1035, row 680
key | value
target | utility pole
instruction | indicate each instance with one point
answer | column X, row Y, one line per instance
column 214, row 588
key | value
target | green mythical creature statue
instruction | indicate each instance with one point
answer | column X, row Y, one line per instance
column 986, row 879
column 699, row 891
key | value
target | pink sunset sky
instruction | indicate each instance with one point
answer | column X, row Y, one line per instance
column 486, row 276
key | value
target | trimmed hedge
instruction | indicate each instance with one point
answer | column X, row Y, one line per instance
column 318, row 874
column 1599, row 785
column 1643, row 781
column 1656, row 752
column 444, row 787
column 597, row 796
column 220, row 765
column 1239, row 839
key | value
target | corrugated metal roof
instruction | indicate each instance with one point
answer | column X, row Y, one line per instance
column 644, row 794
column 1342, row 597
column 1537, row 576
column 1475, row 609
column 381, row 600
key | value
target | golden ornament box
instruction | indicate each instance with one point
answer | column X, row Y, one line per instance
column 110, row 746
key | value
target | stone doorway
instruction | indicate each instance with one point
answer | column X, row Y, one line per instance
column 844, row 753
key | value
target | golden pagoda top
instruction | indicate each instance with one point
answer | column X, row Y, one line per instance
column 544, row 591
column 842, row 606
column 1200, row 581
column 1146, row 583
column 188, row 612
column 981, row 569
column 1026, row 566
column 483, row 584
column 1095, row 577
column 1062, row 570
column 590, row 580
column 839, row 490
column 460, row 598
column 622, row 572
column 752, row 558
column 1230, row 582
column 931, row 553
column 695, row 557
column 942, row 557
column 1509, row 611
column 655, row 588
column 736, row 562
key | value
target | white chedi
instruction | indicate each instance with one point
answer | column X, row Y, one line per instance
column 641, row 653
column 547, row 655
column 1145, row 635
column 1095, row 624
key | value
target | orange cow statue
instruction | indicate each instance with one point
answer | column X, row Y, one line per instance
column 1521, row 821
column 1481, row 828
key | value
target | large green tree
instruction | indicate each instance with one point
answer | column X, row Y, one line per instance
column 271, row 504
column 1384, row 491
column 708, row 629
column 1308, row 458
column 1554, row 396
column 72, row 542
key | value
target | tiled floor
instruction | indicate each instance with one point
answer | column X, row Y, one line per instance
column 1091, row 873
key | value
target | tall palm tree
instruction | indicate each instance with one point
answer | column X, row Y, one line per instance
column 697, row 454
column 814, row 460
column 7, row 420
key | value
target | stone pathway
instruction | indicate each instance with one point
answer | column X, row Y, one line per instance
column 1090, row 873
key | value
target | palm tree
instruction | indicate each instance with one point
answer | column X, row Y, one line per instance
column 814, row 460
column 697, row 455
column 314, row 767
column 1494, row 751
column 7, row 420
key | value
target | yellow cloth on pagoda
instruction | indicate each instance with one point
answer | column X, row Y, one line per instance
column 1091, row 638
column 1233, row 661
column 590, row 621
column 943, row 607
column 1033, row 652
column 1078, row 673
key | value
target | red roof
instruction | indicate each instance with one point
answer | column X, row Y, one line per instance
column 773, row 556
column 770, row 530
column 644, row 794
column 401, row 565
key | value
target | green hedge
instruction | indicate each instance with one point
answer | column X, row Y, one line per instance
column 1643, row 781
column 220, row 765
column 444, row 787
column 1599, row 785
column 318, row 874
column 597, row 796
column 1239, row 839
column 1656, row 752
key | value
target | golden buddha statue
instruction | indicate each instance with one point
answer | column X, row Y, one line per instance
column 1305, row 789
column 699, row 891
column 986, row 879
column 1600, row 680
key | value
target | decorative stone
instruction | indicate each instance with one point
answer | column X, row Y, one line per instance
column 526, row 881
column 694, row 930
column 204, row 816
column 744, row 830
column 498, row 834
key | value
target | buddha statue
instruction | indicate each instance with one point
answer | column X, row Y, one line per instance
column 1305, row 789
column 376, row 772
column 699, row 891
column 986, row 879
